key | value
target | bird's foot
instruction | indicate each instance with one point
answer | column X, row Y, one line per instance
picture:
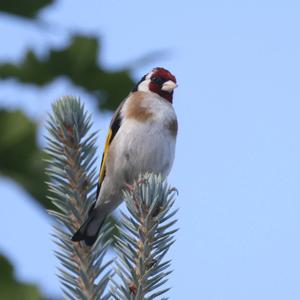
column 131, row 187
column 141, row 181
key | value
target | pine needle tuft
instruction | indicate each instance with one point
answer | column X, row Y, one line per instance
column 83, row 274
column 146, row 235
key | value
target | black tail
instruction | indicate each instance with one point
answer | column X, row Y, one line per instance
column 89, row 230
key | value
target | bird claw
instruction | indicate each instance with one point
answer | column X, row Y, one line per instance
column 131, row 187
column 141, row 181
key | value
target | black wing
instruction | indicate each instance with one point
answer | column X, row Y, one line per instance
column 113, row 129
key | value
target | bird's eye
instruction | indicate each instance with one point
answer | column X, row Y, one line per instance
column 157, row 80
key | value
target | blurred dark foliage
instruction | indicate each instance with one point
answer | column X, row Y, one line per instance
column 12, row 289
column 20, row 157
column 23, row 159
column 24, row 8
column 78, row 63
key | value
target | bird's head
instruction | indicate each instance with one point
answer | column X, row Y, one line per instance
column 159, row 81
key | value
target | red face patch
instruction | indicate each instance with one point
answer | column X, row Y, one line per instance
column 163, row 73
column 158, row 78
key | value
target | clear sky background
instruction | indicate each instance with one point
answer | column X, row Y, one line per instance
column 237, row 165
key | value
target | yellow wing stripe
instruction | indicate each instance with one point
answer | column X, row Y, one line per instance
column 103, row 164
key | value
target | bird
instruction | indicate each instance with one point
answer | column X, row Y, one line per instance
column 141, row 138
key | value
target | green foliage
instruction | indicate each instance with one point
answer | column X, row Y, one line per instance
column 11, row 289
column 24, row 8
column 78, row 62
column 71, row 168
column 145, row 237
column 23, row 159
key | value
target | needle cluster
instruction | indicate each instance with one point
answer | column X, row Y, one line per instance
column 71, row 150
column 146, row 235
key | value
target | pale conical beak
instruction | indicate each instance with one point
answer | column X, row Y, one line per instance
column 169, row 86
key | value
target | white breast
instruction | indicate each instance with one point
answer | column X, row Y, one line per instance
column 146, row 146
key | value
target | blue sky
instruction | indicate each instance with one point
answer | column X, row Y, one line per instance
column 237, row 165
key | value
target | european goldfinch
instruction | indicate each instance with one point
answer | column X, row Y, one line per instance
column 141, row 138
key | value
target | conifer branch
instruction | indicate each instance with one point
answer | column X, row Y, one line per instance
column 145, row 237
column 71, row 148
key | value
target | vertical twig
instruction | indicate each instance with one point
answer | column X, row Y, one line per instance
column 71, row 169
column 145, row 237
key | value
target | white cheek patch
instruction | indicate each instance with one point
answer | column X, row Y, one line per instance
column 144, row 86
column 149, row 75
